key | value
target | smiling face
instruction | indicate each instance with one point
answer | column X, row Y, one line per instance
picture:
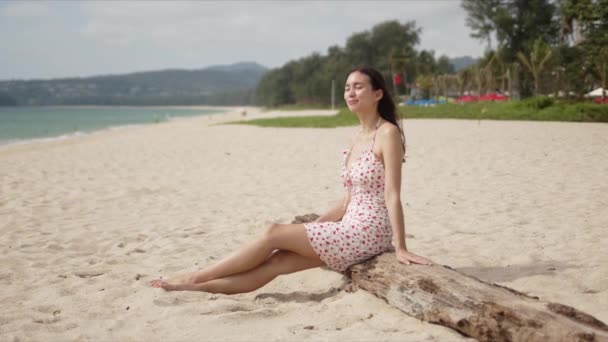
column 359, row 93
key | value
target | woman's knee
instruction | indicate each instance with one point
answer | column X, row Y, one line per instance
column 277, row 259
column 271, row 231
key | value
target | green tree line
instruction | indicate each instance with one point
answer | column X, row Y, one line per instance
column 388, row 46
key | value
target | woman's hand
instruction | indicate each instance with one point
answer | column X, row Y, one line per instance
column 407, row 258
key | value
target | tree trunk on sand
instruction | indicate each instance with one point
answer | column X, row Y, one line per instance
column 487, row 312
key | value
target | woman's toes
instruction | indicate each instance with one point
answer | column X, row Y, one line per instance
column 155, row 282
column 166, row 286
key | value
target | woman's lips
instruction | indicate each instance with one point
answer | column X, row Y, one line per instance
column 352, row 102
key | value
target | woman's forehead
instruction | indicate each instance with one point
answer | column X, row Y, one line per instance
column 357, row 77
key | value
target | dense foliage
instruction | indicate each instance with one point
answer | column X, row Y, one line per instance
column 388, row 46
column 543, row 46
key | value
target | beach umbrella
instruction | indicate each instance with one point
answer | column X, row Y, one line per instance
column 597, row 92
column 467, row 99
column 493, row 97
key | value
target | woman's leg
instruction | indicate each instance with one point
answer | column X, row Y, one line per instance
column 279, row 263
column 287, row 237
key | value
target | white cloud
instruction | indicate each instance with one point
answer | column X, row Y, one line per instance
column 116, row 37
column 147, row 11
column 151, row 22
column 24, row 9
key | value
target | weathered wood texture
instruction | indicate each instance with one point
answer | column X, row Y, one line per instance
column 482, row 310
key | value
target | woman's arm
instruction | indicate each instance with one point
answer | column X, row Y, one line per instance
column 337, row 211
column 392, row 153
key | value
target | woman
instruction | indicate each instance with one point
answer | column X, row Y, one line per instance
column 357, row 228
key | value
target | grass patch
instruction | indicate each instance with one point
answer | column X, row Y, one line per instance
column 533, row 109
column 343, row 118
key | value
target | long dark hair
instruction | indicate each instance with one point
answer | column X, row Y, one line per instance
column 386, row 106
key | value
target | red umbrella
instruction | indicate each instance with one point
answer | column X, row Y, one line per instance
column 493, row 97
column 466, row 99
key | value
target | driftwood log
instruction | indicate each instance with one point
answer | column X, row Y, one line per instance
column 478, row 309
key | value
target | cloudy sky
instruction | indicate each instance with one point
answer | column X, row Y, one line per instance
column 45, row 39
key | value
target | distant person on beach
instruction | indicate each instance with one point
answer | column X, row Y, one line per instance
column 366, row 222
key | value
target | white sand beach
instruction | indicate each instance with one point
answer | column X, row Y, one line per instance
column 86, row 222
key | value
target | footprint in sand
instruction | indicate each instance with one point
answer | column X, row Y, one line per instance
column 182, row 299
column 89, row 274
column 48, row 309
column 6, row 277
column 52, row 314
column 49, row 320
column 218, row 307
column 70, row 326
column 298, row 296
column 301, row 329
column 136, row 250
column 259, row 313
column 38, row 265
column 65, row 292
column 54, row 247
column 238, row 311
column 164, row 302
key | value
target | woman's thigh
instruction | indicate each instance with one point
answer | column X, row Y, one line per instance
column 291, row 237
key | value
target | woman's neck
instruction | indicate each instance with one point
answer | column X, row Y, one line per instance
column 369, row 122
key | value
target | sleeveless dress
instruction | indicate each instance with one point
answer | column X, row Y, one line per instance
column 365, row 229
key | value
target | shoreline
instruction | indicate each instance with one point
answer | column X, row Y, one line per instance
column 78, row 134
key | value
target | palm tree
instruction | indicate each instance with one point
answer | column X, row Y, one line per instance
column 441, row 84
column 509, row 78
column 463, row 79
column 478, row 78
column 488, row 72
column 541, row 53
column 601, row 69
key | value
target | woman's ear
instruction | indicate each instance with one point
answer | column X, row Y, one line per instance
column 378, row 94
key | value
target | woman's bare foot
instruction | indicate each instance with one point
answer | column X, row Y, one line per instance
column 186, row 278
column 182, row 278
column 159, row 283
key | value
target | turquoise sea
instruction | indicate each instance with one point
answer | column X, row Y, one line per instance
column 20, row 124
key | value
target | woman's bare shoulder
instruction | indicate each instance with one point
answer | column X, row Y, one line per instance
column 389, row 132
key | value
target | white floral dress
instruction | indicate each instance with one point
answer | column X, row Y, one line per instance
column 365, row 229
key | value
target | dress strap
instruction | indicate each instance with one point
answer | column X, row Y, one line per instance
column 350, row 150
column 375, row 130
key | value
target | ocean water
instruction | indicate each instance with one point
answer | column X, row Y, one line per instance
column 22, row 124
